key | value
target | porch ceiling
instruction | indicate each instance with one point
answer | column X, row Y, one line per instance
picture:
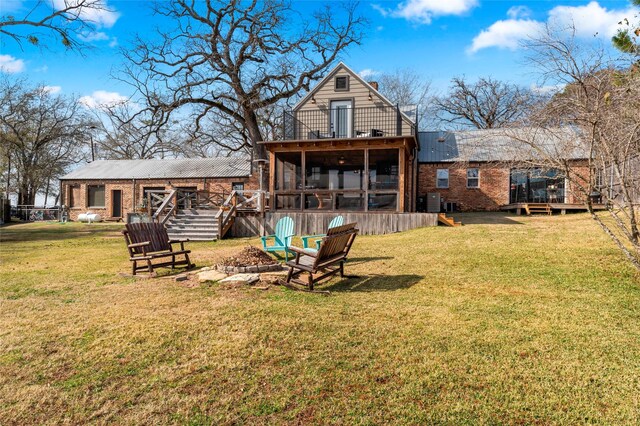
column 408, row 142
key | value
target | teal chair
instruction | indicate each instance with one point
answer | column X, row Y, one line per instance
column 335, row 222
column 282, row 237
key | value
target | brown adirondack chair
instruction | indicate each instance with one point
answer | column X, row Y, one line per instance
column 147, row 242
column 327, row 260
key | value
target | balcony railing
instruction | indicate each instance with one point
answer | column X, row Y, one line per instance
column 330, row 123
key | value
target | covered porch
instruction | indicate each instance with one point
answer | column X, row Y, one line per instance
column 376, row 175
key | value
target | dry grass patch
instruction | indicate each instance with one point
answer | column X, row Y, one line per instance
column 504, row 320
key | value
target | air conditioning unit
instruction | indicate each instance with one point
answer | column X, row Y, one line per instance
column 433, row 202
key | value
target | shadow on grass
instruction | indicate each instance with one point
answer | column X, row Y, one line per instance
column 487, row 218
column 54, row 231
column 374, row 283
column 359, row 260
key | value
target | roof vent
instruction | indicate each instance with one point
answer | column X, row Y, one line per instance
column 374, row 84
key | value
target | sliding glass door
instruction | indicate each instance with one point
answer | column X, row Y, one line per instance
column 536, row 186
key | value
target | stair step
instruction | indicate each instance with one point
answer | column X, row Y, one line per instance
column 193, row 235
column 192, row 228
column 191, row 221
column 197, row 212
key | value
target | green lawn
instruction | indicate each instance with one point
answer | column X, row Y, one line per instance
column 507, row 320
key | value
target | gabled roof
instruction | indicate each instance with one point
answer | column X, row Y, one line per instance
column 499, row 145
column 163, row 169
column 355, row 75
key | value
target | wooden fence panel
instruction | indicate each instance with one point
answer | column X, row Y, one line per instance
column 316, row 223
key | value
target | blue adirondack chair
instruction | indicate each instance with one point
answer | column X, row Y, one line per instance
column 282, row 237
column 336, row 221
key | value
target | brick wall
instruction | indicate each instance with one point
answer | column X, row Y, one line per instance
column 75, row 193
column 493, row 191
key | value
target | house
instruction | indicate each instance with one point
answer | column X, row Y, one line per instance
column 116, row 188
column 490, row 170
column 345, row 148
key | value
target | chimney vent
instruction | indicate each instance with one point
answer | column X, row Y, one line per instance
column 373, row 84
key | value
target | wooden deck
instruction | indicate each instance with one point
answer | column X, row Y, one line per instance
column 562, row 208
column 251, row 225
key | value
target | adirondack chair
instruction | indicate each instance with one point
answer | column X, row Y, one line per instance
column 149, row 241
column 336, row 221
column 282, row 237
column 328, row 260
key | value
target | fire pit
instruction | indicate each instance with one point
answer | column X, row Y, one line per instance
column 249, row 260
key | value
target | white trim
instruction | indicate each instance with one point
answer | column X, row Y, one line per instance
column 467, row 177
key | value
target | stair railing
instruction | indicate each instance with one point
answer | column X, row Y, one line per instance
column 167, row 208
column 229, row 206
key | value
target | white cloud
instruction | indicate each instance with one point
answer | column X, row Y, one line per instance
column 11, row 65
column 546, row 90
column 102, row 98
column 505, row 34
column 518, row 12
column 93, row 36
column 52, row 89
column 423, row 11
column 102, row 16
column 368, row 72
column 590, row 19
column 113, row 42
column 43, row 68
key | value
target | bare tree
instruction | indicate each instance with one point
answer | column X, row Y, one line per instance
column 407, row 87
column 600, row 103
column 124, row 134
column 43, row 134
column 486, row 104
column 236, row 59
column 63, row 20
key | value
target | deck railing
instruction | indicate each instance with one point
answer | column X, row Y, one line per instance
column 330, row 123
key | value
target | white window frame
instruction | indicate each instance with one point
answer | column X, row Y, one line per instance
column 438, row 178
column 474, row 178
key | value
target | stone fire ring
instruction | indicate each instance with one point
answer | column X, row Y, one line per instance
column 248, row 269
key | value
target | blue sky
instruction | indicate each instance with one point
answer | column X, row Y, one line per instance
column 438, row 38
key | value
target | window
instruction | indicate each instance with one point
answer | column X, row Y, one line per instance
column 342, row 83
column 442, row 178
column 473, row 178
column 237, row 186
column 96, row 196
column 383, row 169
column 288, row 171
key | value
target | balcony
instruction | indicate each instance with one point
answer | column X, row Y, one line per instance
column 346, row 122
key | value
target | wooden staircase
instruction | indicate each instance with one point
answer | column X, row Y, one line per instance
column 194, row 224
column 447, row 221
column 531, row 208
column 210, row 217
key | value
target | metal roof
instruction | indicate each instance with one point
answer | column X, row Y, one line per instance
column 499, row 145
column 163, row 169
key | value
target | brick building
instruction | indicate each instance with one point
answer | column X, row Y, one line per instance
column 486, row 170
column 115, row 188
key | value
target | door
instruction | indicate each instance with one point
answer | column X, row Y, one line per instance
column 116, row 203
column 341, row 120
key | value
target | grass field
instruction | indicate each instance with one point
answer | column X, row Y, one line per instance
column 507, row 320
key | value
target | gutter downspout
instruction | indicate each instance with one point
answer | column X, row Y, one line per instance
column 133, row 192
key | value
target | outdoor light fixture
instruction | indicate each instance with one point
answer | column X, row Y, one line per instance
column 341, row 161
column 370, row 97
column 313, row 99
